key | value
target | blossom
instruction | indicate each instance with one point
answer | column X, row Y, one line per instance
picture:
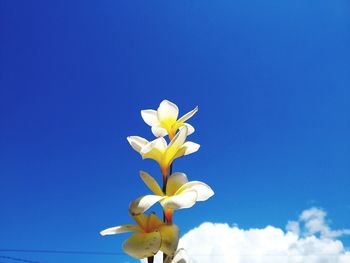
column 179, row 257
column 165, row 120
column 180, row 193
column 152, row 235
column 161, row 152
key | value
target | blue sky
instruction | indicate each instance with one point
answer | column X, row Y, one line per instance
column 271, row 80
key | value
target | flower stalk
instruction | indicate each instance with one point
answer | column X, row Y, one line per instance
column 152, row 233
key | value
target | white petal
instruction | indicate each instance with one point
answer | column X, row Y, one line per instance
column 176, row 143
column 159, row 131
column 143, row 245
column 173, row 150
column 150, row 117
column 179, row 138
column 180, row 152
column 203, row 190
column 151, row 183
column 170, row 238
column 180, row 256
column 120, row 229
column 143, row 203
column 154, row 149
column 167, row 110
column 153, row 222
column 190, row 128
column 175, row 181
column 185, row 199
column 191, row 147
column 141, row 220
column 159, row 144
column 137, row 142
column 188, row 115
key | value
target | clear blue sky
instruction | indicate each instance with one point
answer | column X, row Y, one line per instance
column 271, row 79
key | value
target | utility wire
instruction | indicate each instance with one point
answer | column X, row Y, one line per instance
column 46, row 251
column 19, row 259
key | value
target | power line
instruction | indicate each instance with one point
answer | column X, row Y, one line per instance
column 19, row 259
column 71, row 252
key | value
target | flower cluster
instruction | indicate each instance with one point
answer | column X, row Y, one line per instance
column 151, row 233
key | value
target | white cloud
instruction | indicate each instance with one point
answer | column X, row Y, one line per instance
column 307, row 240
column 314, row 220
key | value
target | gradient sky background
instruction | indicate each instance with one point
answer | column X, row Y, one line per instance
column 271, row 79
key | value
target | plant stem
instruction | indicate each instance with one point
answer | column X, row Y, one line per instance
column 165, row 179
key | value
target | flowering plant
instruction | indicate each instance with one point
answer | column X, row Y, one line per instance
column 152, row 233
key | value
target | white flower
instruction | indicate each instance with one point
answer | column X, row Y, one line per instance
column 180, row 193
column 179, row 257
column 165, row 120
column 161, row 152
column 152, row 235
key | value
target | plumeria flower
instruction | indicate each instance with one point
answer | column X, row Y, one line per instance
column 179, row 257
column 161, row 152
column 164, row 120
column 152, row 235
column 180, row 193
